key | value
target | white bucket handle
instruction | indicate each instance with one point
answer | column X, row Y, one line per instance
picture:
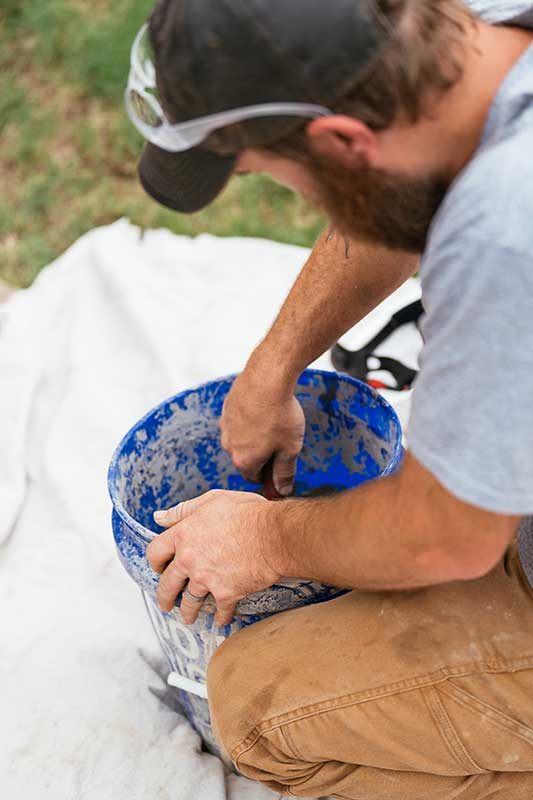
column 187, row 685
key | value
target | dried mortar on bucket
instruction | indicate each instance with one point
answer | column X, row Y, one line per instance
column 174, row 454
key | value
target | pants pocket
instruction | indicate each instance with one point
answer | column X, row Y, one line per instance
column 492, row 716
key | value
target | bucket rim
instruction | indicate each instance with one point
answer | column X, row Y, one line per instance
column 147, row 534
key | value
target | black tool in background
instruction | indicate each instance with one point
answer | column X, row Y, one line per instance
column 356, row 362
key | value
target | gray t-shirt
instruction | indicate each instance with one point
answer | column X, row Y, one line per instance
column 472, row 416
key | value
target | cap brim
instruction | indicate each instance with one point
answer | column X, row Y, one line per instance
column 185, row 182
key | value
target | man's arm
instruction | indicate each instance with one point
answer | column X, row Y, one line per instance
column 401, row 532
column 342, row 281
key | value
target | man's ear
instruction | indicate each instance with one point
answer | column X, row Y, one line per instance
column 344, row 139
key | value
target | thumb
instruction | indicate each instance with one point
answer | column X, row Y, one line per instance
column 283, row 472
column 171, row 516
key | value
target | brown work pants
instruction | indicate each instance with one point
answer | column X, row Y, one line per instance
column 419, row 695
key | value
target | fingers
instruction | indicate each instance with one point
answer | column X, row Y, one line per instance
column 161, row 551
column 283, row 472
column 171, row 583
column 250, row 468
column 225, row 612
column 189, row 608
column 173, row 580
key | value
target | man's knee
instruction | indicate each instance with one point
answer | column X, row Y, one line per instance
column 239, row 709
column 244, row 689
column 230, row 687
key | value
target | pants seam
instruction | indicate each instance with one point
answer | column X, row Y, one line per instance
column 499, row 718
column 440, row 676
column 448, row 732
column 287, row 736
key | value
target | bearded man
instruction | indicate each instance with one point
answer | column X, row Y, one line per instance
column 411, row 123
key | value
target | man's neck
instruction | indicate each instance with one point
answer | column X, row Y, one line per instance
column 492, row 53
column 444, row 143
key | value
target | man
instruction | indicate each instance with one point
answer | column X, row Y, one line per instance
column 418, row 139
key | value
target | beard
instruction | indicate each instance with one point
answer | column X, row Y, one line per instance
column 384, row 208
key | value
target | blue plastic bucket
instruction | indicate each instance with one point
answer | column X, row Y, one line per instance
column 174, row 453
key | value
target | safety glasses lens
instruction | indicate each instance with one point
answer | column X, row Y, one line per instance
column 144, row 109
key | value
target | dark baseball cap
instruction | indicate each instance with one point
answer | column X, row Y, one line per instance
column 215, row 55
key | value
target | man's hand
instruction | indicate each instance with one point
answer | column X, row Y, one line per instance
column 222, row 543
column 260, row 422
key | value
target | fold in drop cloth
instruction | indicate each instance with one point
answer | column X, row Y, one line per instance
column 119, row 322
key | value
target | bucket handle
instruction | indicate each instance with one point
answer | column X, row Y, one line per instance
column 187, row 685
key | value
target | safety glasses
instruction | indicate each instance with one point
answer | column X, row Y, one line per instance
column 146, row 113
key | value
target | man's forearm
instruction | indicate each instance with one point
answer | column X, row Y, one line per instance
column 400, row 532
column 342, row 281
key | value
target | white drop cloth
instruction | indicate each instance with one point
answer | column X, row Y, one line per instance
column 107, row 331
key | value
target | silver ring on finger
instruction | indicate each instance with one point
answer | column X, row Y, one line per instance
column 194, row 598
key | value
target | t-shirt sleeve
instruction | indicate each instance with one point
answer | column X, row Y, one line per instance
column 472, row 417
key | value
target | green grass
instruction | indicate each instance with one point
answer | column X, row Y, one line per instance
column 68, row 155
